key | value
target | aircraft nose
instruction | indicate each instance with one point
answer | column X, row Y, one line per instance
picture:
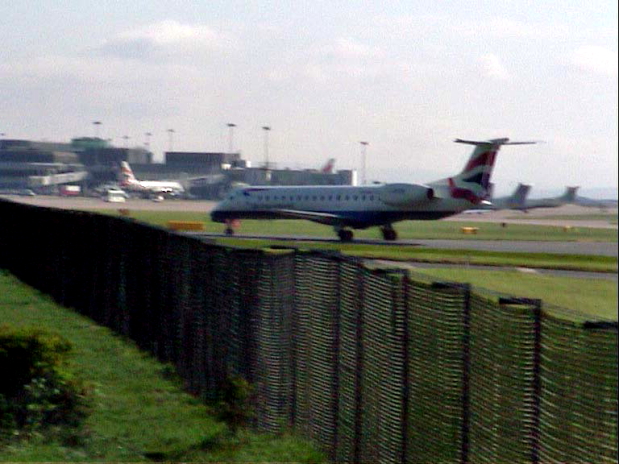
column 217, row 213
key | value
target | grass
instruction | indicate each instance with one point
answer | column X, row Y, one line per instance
column 415, row 230
column 406, row 229
column 430, row 255
column 595, row 297
column 611, row 218
column 140, row 412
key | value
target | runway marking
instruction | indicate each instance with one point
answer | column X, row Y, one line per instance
column 527, row 270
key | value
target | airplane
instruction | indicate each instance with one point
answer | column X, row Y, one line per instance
column 516, row 200
column 593, row 203
column 158, row 188
column 328, row 166
column 360, row 207
column 569, row 196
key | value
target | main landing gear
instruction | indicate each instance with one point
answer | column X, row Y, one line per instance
column 345, row 235
column 389, row 233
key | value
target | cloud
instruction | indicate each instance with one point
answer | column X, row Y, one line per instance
column 165, row 38
column 597, row 60
column 508, row 28
column 348, row 49
column 105, row 70
column 493, row 66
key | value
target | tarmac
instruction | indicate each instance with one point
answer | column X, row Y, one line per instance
column 541, row 216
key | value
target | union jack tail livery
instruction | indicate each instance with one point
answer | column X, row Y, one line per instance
column 473, row 183
column 127, row 178
column 328, row 167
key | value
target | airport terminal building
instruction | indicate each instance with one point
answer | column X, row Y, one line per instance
column 88, row 162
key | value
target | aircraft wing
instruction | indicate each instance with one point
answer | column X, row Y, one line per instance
column 321, row 218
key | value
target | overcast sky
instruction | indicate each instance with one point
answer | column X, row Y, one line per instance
column 408, row 77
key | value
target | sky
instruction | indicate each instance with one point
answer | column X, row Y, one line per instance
column 406, row 77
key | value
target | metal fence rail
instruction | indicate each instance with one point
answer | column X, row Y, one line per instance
column 372, row 365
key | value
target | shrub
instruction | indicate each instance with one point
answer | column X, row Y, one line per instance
column 235, row 405
column 36, row 390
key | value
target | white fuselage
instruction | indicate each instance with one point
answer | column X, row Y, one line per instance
column 357, row 207
column 154, row 186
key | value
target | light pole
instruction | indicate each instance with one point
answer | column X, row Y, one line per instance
column 97, row 124
column 266, row 145
column 364, row 146
column 171, row 138
column 231, row 127
column 147, row 143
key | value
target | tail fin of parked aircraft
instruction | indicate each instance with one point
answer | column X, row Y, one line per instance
column 126, row 174
column 473, row 183
column 328, row 167
column 520, row 195
column 570, row 194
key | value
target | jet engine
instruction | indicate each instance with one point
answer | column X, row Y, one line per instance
column 405, row 194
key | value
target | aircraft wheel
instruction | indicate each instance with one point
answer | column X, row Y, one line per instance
column 229, row 231
column 389, row 234
column 345, row 235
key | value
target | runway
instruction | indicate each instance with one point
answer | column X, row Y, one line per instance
column 517, row 246
column 545, row 216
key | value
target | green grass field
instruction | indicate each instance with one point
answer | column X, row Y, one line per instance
column 429, row 255
column 139, row 412
column 611, row 218
column 594, row 297
column 415, row 230
column 406, row 229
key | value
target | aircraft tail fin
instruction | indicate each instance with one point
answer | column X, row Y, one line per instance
column 126, row 174
column 570, row 194
column 473, row 182
column 520, row 194
column 328, row 166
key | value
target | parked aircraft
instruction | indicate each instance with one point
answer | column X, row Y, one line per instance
column 593, row 203
column 360, row 207
column 568, row 197
column 129, row 183
column 516, row 200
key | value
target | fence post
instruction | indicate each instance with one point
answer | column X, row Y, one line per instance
column 536, row 305
column 465, row 427
column 359, row 365
column 406, row 369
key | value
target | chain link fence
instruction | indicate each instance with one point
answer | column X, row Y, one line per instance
column 373, row 365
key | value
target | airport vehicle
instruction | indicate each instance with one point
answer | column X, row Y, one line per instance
column 155, row 188
column 115, row 196
column 360, row 207
column 516, row 200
